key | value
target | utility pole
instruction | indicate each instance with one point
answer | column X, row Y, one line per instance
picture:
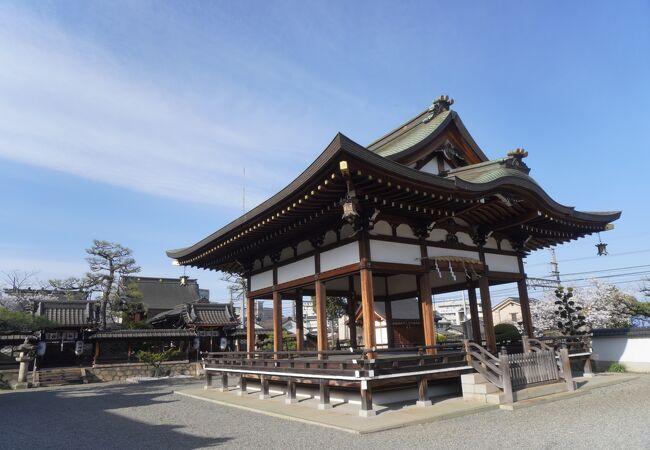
column 555, row 271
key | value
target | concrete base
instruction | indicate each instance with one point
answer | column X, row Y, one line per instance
column 367, row 412
column 290, row 401
column 424, row 403
column 24, row 385
column 241, row 393
column 325, row 406
column 264, row 396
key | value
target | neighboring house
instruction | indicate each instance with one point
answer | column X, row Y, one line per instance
column 208, row 320
column 507, row 311
column 162, row 294
column 406, row 324
column 73, row 320
column 455, row 311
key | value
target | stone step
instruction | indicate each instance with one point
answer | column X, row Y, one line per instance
column 482, row 388
column 472, row 378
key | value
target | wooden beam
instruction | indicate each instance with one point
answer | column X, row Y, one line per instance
column 473, row 311
column 250, row 324
column 321, row 318
column 277, row 321
column 300, row 325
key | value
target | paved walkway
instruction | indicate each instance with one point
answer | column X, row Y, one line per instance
column 119, row 416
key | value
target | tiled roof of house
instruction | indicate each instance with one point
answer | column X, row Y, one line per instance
column 72, row 314
column 165, row 293
column 198, row 314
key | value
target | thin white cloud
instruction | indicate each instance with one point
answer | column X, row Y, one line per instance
column 67, row 105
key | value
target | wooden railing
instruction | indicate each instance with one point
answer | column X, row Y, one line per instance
column 515, row 371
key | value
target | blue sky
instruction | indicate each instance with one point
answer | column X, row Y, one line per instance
column 133, row 121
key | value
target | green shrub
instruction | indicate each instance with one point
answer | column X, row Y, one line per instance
column 440, row 338
column 21, row 321
column 506, row 332
column 155, row 359
column 617, row 368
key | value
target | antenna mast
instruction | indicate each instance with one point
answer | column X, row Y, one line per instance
column 555, row 271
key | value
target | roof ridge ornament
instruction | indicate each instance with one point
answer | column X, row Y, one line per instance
column 439, row 105
column 515, row 160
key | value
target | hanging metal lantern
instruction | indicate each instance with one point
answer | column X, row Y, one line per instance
column 350, row 209
column 601, row 246
column 183, row 280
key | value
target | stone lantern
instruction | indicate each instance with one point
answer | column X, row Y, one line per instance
column 26, row 355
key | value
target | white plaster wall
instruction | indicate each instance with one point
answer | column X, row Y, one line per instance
column 437, row 234
column 382, row 227
column 340, row 256
column 346, row 231
column 502, row 263
column 330, row 237
column 398, row 284
column 286, row 253
column 262, row 280
column 491, row 243
column 506, row 245
column 403, row 230
column 431, row 166
column 634, row 352
column 465, row 239
column 394, row 252
column 304, row 247
column 438, row 251
column 295, row 270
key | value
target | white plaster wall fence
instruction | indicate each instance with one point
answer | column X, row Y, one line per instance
column 628, row 346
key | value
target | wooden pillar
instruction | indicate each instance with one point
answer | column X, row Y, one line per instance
column 390, row 336
column 426, row 306
column 300, row 322
column 486, row 306
column 366, row 400
column 321, row 317
column 524, row 302
column 324, row 395
column 368, row 309
column 224, row 381
column 250, row 324
column 291, row 392
column 473, row 311
column 423, row 392
column 264, row 387
column 277, row 322
column 352, row 311
column 242, row 385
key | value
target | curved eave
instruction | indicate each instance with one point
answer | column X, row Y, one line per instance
column 529, row 184
column 341, row 145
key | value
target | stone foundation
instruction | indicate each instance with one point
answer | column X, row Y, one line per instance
column 8, row 378
column 123, row 371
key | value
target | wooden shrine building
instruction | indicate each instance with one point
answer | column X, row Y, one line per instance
column 418, row 212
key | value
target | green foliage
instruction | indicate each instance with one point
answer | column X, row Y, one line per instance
column 335, row 307
column 570, row 320
column 20, row 321
column 639, row 308
column 617, row 367
column 506, row 332
column 155, row 359
column 440, row 338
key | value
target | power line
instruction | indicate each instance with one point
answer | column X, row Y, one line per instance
column 602, row 270
column 593, row 257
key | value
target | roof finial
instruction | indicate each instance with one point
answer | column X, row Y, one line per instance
column 438, row 106
column 515, row 159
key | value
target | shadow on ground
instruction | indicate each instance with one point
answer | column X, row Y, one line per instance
column 98, row 416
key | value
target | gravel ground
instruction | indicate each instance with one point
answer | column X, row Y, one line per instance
column 150, row 416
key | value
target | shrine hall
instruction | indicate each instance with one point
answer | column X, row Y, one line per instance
column 418, row 212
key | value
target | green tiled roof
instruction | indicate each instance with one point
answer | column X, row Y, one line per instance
column 415, row 132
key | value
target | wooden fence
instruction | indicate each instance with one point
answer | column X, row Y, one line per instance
column 531, row 368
